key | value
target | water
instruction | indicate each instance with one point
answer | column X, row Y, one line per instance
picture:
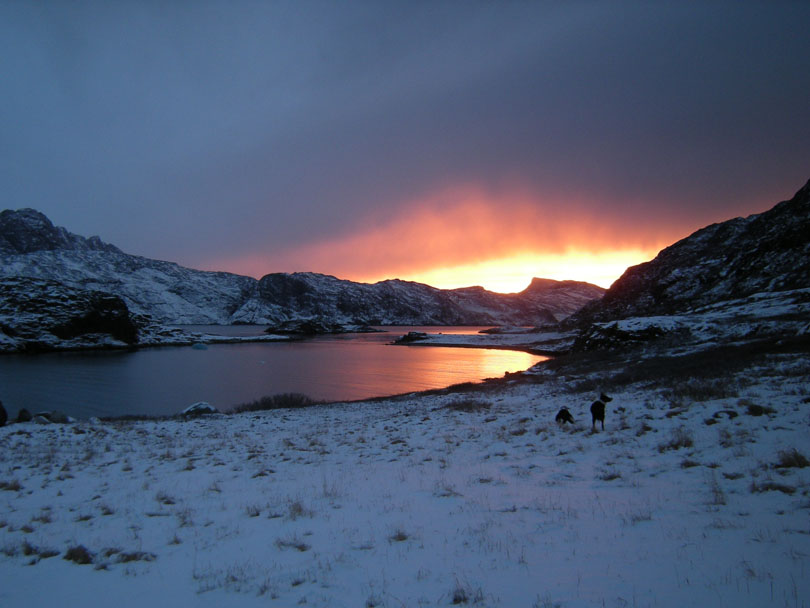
column 165, row 380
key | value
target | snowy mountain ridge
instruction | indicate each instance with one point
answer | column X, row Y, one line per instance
column 28, row 230
column 31, row 246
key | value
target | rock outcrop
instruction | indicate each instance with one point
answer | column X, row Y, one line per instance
column 767, row 252
column 29, row 231
column 36, row 315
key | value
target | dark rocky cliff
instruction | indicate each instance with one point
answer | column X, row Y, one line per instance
column 767, row 252
column 37, row 314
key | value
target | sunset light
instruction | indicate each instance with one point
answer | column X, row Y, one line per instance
column 513, row 274
column 507, row 274
column 467, row 235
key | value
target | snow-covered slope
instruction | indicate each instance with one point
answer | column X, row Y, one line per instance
column 396, row 302
column 40, row 315
column 30, row 246
column 166, row 291
column 694, row 495
column 767, row 252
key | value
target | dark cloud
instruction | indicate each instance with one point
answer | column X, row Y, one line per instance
column 197, row 131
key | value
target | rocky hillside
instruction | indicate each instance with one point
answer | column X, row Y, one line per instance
column 767, row 252
column 396, row 302
column 31, row 246
column 36, row 314
column 29, row 231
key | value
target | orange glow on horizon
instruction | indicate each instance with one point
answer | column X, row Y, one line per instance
column 510, row 274
column 514, row 274
column 466, row 236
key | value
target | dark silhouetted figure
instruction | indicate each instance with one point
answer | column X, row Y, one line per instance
column 564, row 416
column 598, row 410
column 3, row 414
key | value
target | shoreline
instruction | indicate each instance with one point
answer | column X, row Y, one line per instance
column 516, row 347
column 479, row 384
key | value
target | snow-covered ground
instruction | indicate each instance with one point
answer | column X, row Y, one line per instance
column 413, row 502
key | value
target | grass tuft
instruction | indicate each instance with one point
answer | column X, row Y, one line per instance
column 718, row 496
column 11, row 486
column 164, row 499
column 792, row 458
column 465, row 595
column 698, row 390
column 292, row 543
column 680, row 438
column 469, row 405
column 125, row 557
column 772, row 486
column 297, row 509
column 275, row 402
column 631, row 519
column 79, row 555
column 32, row 550
column 759, row 410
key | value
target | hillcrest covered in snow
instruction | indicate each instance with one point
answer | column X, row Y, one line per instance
column 161, row 293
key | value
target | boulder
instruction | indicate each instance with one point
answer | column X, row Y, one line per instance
column 201, row 408
column 411, row 336
column 55, row 416
column 24, row 415
column 305, row 328
column 3, row 414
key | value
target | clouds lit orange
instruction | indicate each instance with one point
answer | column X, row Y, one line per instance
column 464, row 236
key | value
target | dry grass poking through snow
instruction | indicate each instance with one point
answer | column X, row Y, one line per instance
column 424, row 501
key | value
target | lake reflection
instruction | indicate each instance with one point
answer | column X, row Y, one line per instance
column 165, row 380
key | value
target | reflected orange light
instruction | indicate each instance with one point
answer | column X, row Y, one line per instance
column 495, row 363
column 426, row 367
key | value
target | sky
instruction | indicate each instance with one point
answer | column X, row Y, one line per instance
column 452, row 143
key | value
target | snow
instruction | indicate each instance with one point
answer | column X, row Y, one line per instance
column 172, row 294
column 525, row 339
column 408, row 502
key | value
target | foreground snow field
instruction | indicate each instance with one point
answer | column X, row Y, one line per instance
column 692, row 496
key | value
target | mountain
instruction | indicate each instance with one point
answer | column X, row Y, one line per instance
column 28, row 231
column 396, row 302
column 31, row 246
column 766, row 252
